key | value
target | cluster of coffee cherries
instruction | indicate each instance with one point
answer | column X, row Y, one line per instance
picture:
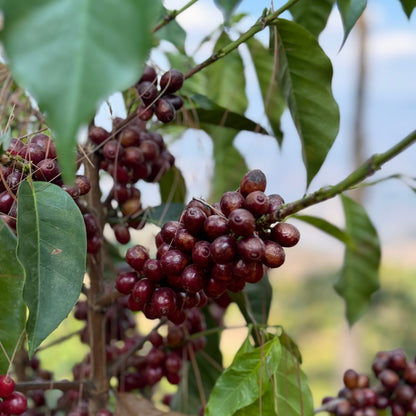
column 161, row 102
column 210, row 250
column 12, row 402
column 36, row 157
column 396, row 388
column 161, row 357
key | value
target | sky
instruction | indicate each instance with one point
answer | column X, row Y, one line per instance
column 390, row 114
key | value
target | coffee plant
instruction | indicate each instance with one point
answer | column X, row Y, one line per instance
column 72, row 213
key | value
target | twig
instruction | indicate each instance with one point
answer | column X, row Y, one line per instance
column 63, row 385
column 172, row 14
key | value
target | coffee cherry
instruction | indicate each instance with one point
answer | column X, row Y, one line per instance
column 287, row 235
column 176, row 100
column 125, row 282
column 133, row 156
column 173, row 362
column 112, row 150
column 201, row 254
column 129, row 136
column 275, row 203
column 250, row 272
column 48, row 170
column 215, row 226
column 242, row 222
column 98, row 135
column 7, row 385
column 122, row 233
column 169, row 230
column 215, row 288
column 184, row 240
column 6, row 202
column 164, row 301
column 350, row 379
column 192, row 279
column 193, row 219
column 83, row 183
column 173, row 262
column 274, row 254
column 149, row 74
column 171, row 81
column 143, row 290
column 222, row 272
column 147, row 92
column 255, row 180
column 15, row 404
column 164, row 110
column 231, row 201
column 153, row 270
column 389, row 379
column 144, row 112
column 404, row 394
column 251, row 249
column 223, row 249
column 132, row 207
column 136, row 257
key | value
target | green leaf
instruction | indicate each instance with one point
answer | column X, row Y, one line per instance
column 5, row 140
column 262, row 406
column 227, row 7
column 52, row 250
column 327, row 227
column 165, row 212
column 350, row 10
column 187, row 399
column 247, row 378
column 267, row 74
column 70, row 54
column 293, row 395
column 305, row 79
column 172, row 186
column 12, row 308
column 359, row 277
column 254, row 301
column 173, row 33
column 408, row 6
column 312, row 15
column 202, row 110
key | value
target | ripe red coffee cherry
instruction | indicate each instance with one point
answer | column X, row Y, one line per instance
column 6, row 202
column 193, row 219
column 231, row 201
column 152, row 270
column 201, row 254
column 215, row 288
column 251, row 249
column 83, row 183
column 125, row 282
column 129, row 136
column 169, row 230
column 149, row 74
column 15, row 404
column 173, row 362
column 133, row 156
column 7, row 385
column 122, row 233
column 98, row 135
column 136, row 257
column 192, row 279
column 389, row 378
column 242, row 222
column 255, row 180
column 48, row 170
column 171, row 81
column 173, row 262
column 176, row 100
column 143, row 290
column 287, row 235
column 222, row 272
column 198, row 204
column 223, row 249
column 215, row 226
column 275, row 203
column 257, row 203
column 150, row 150
column 112, row 150
column 251, row 272
column 164, row 301
column 184, row 240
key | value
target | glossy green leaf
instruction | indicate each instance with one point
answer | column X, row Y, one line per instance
column 326, row 227
column 201, row 110
column 350, row 10
column 227, row 7
column 52, row 250
column 305, row 79
column 172, row 186
column 408, row 6
column 312, row 14
column 265, row 405
column 293, row 395
column 173, row 33
column 247, row 378
column 267, row 74
column 359, row 277
column 254, row 301
column 188, row 399
column 70, row 54
column 12, row 308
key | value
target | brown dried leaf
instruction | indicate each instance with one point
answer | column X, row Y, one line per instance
column 135, row 405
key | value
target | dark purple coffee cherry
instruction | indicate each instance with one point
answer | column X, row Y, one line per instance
column 250, row 272
column 201, row 254
column 274, row 254
column 169, row 230
column 48, row 170
column 257, row 203
column 193, row 220
column 215, row 288
column 112, row 150
column 164, row 110
column 242, row 222
column 84, row 184
column 125, row 282
column 6, row 202
column 251, row 249
column 223, row 249
column 171, row 81
column 231, row 201
column 133, row 156
column 255, row 180
column 136, row 256
column 184, row 240
column 176, row 100
column 143, row 290
column 287, row 235
column 164, row 301
column 129, row 136
column 275, row 203
column 215, row 226
column 153, row 270
column 192, row 279
column 98, row 135
column 389, row 378
column 147, row 92
column 173, row 262
column 122, row 233
column 222, row 272
column 150, row 150
column 149, row 74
